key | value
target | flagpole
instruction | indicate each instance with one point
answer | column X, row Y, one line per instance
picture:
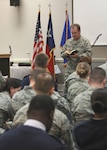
column 50, row 45
column 66, row 31
column 38, row 39
column 66, row 20
column 72, row 6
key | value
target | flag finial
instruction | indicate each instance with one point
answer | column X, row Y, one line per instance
column 39, row 6
column 49, row 7
column 66, row 5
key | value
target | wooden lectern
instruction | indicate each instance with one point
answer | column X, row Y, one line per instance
column 5, row 64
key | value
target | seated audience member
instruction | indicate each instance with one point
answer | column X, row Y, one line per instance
column 83, row 71
column 82, row 103
column 44, row 84
column 10, row 86
column 62, row 104
column 32, row 135
column 25, row 95
column 92, row 134
column 73, row 77
column 7, row 89
column 41, row 61
column 104, row 66
column 1, row 78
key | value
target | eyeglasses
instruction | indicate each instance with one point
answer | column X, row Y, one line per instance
column 74, row 33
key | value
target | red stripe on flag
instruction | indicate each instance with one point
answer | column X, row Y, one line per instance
column 38, row 41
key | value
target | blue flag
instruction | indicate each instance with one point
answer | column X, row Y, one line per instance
column 66, row 32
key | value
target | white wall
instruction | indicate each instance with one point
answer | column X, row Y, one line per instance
column 91, row 15
column 17, row 25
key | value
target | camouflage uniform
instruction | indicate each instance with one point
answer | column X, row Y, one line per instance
column 22, row 97
column 84, row 49
column 6, row 111
column 72, row 78
column 20, row 116
column 64, row 109
column 60, row 128
column 75, row 89
column 82, row 106
column 61, row 103
column 1, row 79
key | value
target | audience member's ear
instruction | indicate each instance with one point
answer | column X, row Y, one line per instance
column 51, row 115
column 51, row 91
column 104, row 82
column 29, row 77
column 32, row 83
column 89, row 80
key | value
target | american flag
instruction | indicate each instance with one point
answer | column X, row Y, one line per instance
column 50, row 45
column 38, row 41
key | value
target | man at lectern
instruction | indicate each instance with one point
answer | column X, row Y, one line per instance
column 74, row 48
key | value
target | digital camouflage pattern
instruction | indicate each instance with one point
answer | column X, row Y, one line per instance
column 25, row 95
column 82, row 45
column 82, row 109
column 61, row 103
column 71, row 79
column 75, row 89
column 6, row 111
column 22, row 97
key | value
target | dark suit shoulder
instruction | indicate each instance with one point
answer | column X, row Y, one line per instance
column 59, row 142
column 82, row 123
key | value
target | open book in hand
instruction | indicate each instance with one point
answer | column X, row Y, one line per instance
column 72, row 52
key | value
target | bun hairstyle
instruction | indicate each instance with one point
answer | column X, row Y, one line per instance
column 83, row 69
column 99, row 100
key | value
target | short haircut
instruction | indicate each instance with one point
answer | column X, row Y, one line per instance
column 83, row 69
column 41, row 102
column 41, row 60
column 99, row 100
column 36, row 72
column 77, row 26
column 44, row 82
column 85, row 59
column 97, row 75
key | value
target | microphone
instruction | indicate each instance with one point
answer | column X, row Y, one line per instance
column 96, row 40
column 11, row 63
column 29, row 57
column 10, row 49
column 99, row 36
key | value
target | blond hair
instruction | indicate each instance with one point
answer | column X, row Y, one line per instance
column 83, row 69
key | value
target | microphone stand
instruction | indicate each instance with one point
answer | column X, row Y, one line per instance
column 96, row 40
column 94, row 44
column 11, row 63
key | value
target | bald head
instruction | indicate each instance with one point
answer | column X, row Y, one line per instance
column 44, row 83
